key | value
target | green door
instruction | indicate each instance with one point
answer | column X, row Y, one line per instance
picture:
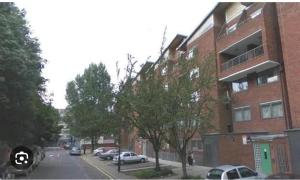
column 266, row 165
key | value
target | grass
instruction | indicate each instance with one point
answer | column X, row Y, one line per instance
column 152, row 173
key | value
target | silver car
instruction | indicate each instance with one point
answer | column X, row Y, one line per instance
column 233, row 172
column 128, row 157
column 75, row 151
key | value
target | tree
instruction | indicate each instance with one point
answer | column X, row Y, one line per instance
column 189, row 104
column 90, row 100
column 142, row 104
column 22, row 88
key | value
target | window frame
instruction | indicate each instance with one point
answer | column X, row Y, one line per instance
column 195, row 73
column 265, row 74
column 191, row 53
column 270, row 103
column 195, row 96
column 240, row 81
column 243, row 115
column 164, row 71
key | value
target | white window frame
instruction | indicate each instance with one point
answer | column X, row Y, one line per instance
column 164, row 71
column 239, row 81
column 194, row 73
column 166, row 86
column 264, row 73
column 191, row 53
column 270, row 103
column 241, row 109
column 195, row 96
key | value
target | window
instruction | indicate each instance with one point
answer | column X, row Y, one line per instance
column 242, row 114
column 256, row 13
column 166, row 86
column 231, row 29
column 245, row 172
column 240, row 85
column 164, row 71
column 126, row 154
column 269, row 76
column 195, row 96
column 215, row 174
column 191, row 53
column 194, row 73
column 232, row 174
column 132, row 154
column 271, row 110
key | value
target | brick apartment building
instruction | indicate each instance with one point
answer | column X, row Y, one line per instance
column 257, row 118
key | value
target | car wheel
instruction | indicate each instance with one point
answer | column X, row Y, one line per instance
column 143, row 160
column 122, row 162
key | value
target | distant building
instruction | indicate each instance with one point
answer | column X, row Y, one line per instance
column 65, row 131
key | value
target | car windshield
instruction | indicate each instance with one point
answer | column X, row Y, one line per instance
column 215, row 174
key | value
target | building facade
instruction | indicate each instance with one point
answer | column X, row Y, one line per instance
column 257, row 118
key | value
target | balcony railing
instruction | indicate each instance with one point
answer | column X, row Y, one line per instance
column 243, row 58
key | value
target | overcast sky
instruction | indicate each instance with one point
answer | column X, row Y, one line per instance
column 74, row 34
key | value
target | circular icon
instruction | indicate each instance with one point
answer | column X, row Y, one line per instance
column 21, row 157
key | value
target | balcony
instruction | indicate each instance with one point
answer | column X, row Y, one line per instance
column 242, row 58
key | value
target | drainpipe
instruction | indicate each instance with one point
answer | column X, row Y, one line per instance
column 283, row 83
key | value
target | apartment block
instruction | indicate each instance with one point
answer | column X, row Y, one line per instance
column 257, row 117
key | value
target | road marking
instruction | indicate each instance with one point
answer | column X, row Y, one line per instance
column 100, row 169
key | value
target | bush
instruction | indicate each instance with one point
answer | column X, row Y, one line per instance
column 152, row 173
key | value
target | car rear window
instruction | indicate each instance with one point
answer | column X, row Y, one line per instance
column 215, row 174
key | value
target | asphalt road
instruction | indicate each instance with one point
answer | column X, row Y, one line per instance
column 58, row 164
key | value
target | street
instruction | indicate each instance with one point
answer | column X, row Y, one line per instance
column 58, row 164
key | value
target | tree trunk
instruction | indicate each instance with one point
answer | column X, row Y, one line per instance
column 93, row 143
column 157, row 167
column 183, row 162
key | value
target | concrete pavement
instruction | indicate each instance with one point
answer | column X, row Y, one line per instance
column 191, row 170
column 58, row 164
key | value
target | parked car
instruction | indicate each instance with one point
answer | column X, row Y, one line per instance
column 75, row 151
column 14, row 171
column 128, row 157
column 233, row 172
column 99, row 150
column 109, row 155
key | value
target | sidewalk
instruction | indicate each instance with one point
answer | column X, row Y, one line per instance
column 191, row 170
column 110, row 172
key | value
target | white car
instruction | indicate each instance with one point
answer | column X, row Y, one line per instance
column 233, row 172
column 128, row 157
column 97, row 151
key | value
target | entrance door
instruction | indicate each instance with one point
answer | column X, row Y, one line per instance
column 266, row 165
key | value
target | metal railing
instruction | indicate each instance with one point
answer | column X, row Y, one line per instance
column 243, row 58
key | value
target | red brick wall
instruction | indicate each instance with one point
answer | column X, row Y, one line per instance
column 233, row 151
column 289, row 25
column 252, row 97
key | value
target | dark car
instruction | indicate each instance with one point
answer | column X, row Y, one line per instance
column 109, row 155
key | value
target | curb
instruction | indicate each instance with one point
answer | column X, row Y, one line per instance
column 99, row 169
